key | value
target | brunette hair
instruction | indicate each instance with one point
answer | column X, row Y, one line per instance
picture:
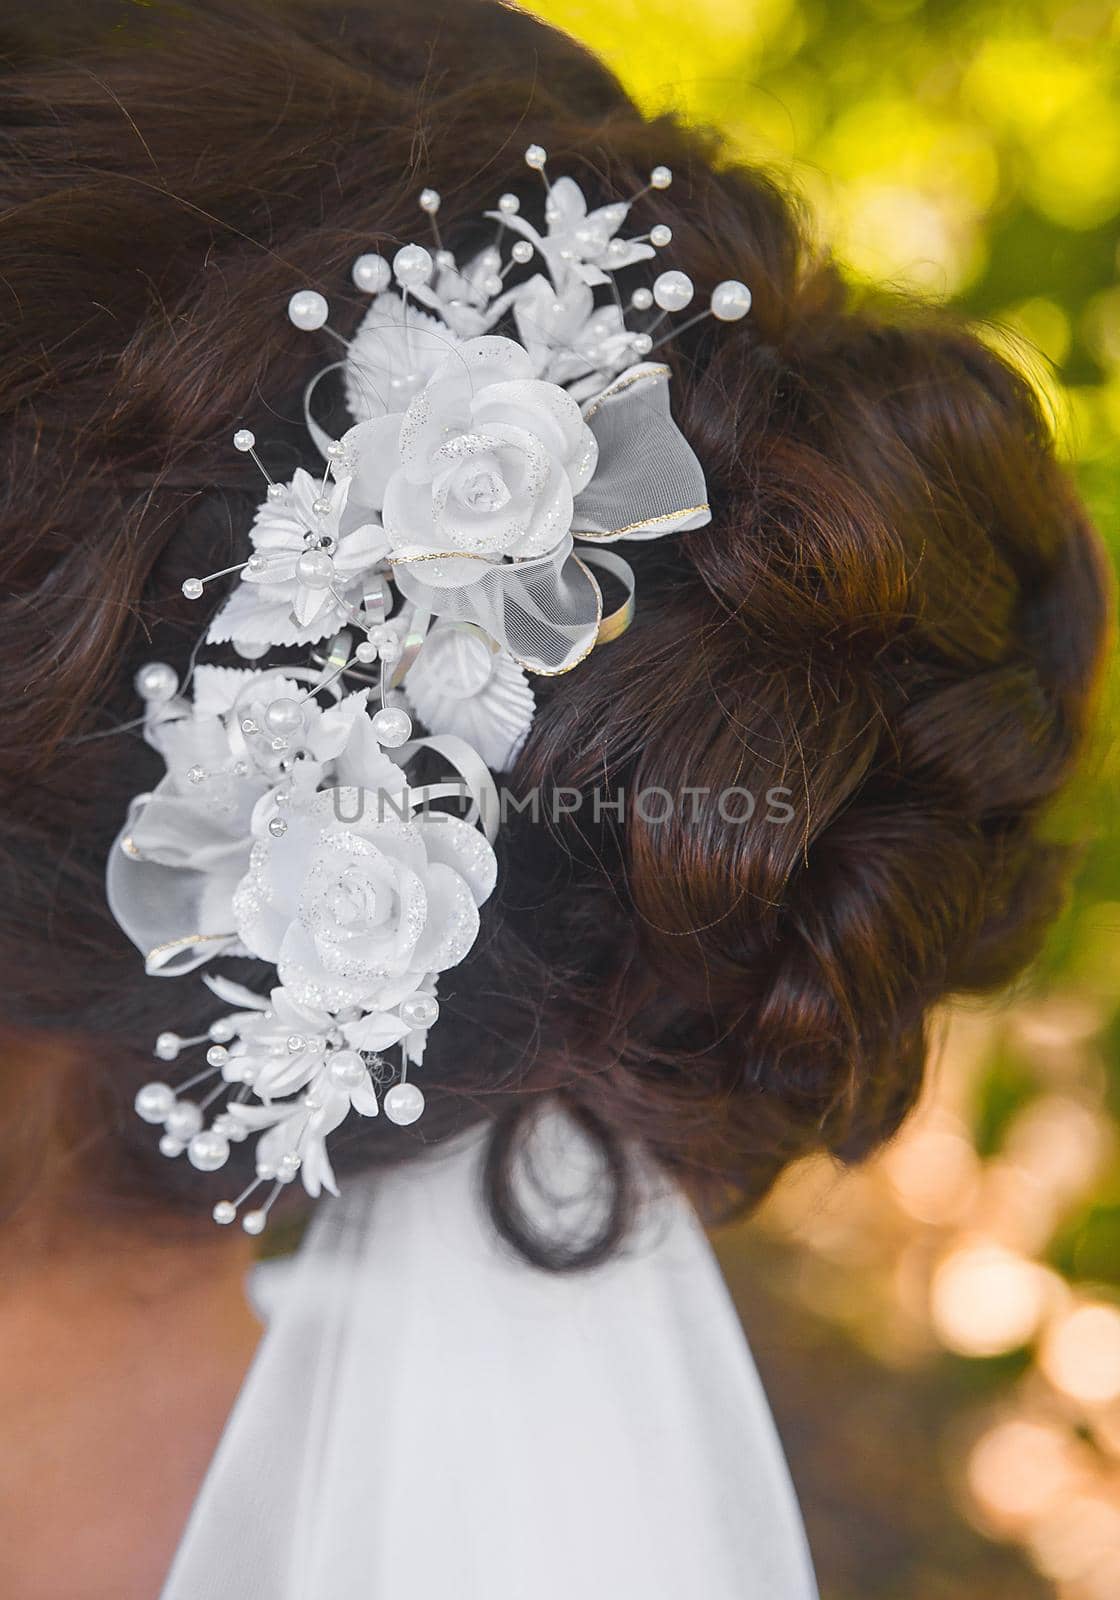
column 894, row 617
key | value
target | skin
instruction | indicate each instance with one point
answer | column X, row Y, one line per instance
column 121, row 1355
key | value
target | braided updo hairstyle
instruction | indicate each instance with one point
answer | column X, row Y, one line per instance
column 892, row 622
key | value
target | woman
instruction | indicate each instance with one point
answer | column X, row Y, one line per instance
column 503, row 1365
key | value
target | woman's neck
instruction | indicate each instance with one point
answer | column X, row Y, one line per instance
column 120, row 1359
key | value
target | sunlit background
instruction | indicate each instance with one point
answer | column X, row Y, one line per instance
column 940, row 1331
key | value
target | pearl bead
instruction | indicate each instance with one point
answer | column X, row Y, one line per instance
column 641, row 299
column 392, row 727
column 168, row 1046
column 184, row 1120
column 244, row 440
column 673, row 291
column 660, row 235
column 277, row 492
column 196, row 774
column 256, row 563
column 371, row 273
column 321, row 506
column 642, row 344
column 509, row 205
column 284, row 716
column 731, row 300
column 224, row 1212
column 217, row 1055
column 266, row 1169
column 170, row 1146
column 389, row 652
column 254, row 1222
column 420, row 1010
column 403, row 1104
column 366, row 652
column 412, row 265
column 277, row 827
column 348, row 1069
column 522, row 252
column 250, row 649
column 535, row 157
column 153, row 1102
column 660, row 178
column 290, row 1164
column 492, row 285
column 315, row 569
column 156, row 681
column 307, row 310
column 429, row 201
column 193, row 587
column 208, row 1151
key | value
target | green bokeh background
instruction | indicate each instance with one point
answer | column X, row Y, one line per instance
column 968, row 150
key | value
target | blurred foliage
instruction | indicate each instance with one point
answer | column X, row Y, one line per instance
column 968, row 150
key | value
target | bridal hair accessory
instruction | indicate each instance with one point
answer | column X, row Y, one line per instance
column 503, row 409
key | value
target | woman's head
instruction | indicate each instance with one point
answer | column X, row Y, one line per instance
column 883, row 642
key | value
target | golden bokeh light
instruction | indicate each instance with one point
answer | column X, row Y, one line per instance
column 1081, row 1354
column 985, row 1300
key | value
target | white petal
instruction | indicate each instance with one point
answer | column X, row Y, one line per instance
column 377, row 1030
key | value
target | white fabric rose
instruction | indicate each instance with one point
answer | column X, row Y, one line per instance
column 356, row 906
column 485, row 462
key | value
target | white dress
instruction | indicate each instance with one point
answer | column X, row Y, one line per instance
column 428, row 1418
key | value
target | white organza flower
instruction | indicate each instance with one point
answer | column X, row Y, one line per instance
column 296, row 1129
column 484, row 463
column 566, row 336
column 188, row 843
column 356, row 906
column 580, row 243
column 465, row 295
column 308, row 567
column 280, row 1045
